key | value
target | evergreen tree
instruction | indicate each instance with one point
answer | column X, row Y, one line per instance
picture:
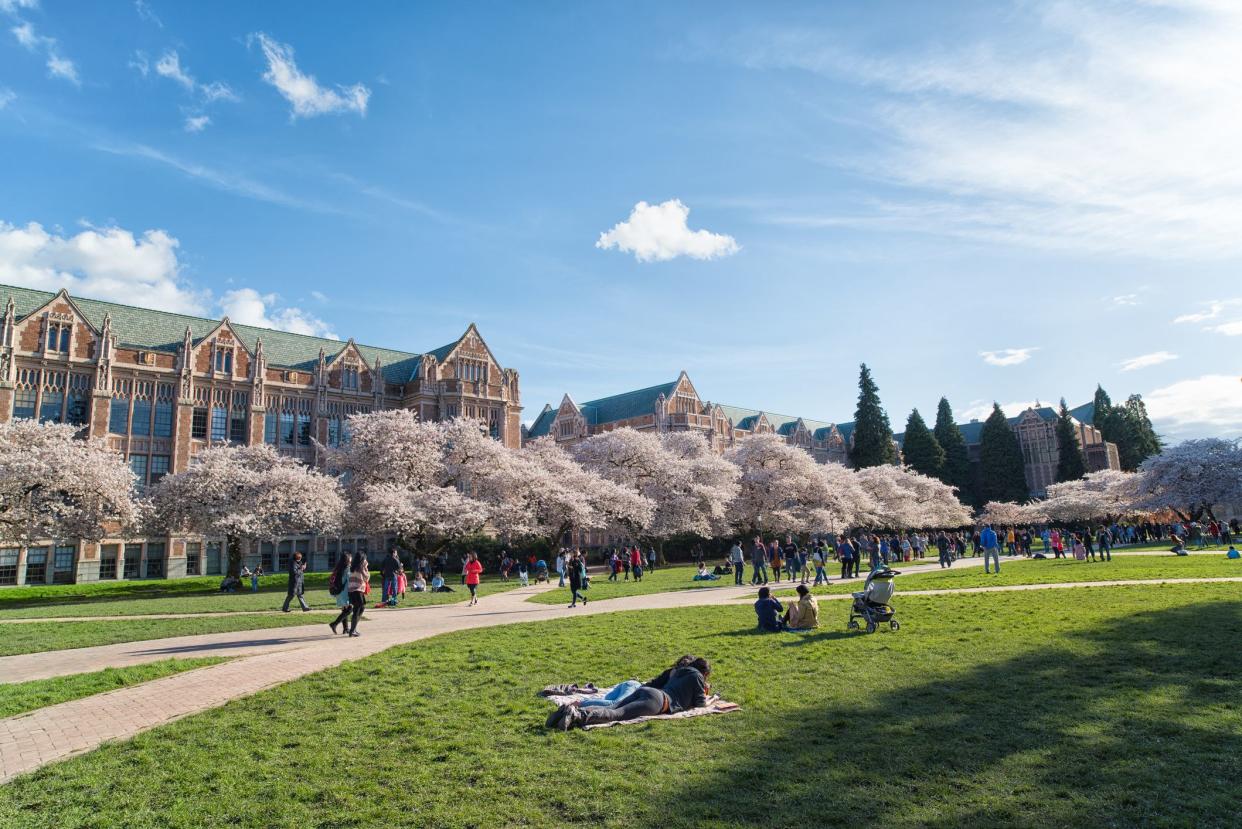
column 1070, row 463
column 1104, row 417
column 873, row 436
column 1002, row 471
column 920, row 450
column 1141, row 441
column 956, row 468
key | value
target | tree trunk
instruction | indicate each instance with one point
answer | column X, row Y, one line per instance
column 235, row 556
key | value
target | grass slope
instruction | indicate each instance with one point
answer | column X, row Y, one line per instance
column 20, row 697
column 1055, row 571
column 984, row 710
column 34, row 637
column 193, row 595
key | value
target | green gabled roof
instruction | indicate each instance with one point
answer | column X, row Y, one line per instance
column 543, row 424
column 783, row 424
column 625, row 405
column 165, row 331
column 1084, row 413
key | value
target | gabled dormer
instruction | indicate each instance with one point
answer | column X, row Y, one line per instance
column 348, row 371
column 222, row 353
column 684, row 398
column 469, row 360
column 56, row 330
column 569, row 423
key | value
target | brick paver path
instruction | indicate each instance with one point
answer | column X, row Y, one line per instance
column 272, row 657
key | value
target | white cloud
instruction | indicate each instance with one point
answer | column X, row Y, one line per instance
column 658, row 232
column 196, row 123
column 1145, row 360
column 248, row 307
column 169, row 66
column 980, row 409
column 319, row 296
column 25, row 34
column 106, row 263
column 1214, row 309
column 61, row 67
column 140, row 63
column 303, row 91
column 146, row 13
column 1096, row 125
column 1007, row 356
column 1229, row 329
column 13, row 6
column 217, row 91
column 7, row 96
column 1206, row 405
column 1126, row 299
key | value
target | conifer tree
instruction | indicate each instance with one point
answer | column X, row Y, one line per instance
column 1141, row 441
column 956, row 468
column 873, row 436
column 920, row 450
column 1104, row 416
column 1070, row 463
column 1002, row 471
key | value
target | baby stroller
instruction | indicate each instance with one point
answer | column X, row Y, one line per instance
column 872, row 604
column 541, row 571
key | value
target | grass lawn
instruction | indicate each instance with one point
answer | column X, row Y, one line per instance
column 33, row 637
column 984, row 710
column 200, row 595
column 1051, row 571
column 20, row 697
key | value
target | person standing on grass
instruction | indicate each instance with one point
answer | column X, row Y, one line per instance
column 1106, row 545
column 991, row 547
column 388, row 570
column 738, row 559
column 821, row 577
column 338, row 589
column 636, row 563
column 577, row 578
column 758, row 563
column 845, row 554
column 471, row 570
column 254, row 578
column 560, row 567
column 943, row 547
column 297, row 569
column 651, row 559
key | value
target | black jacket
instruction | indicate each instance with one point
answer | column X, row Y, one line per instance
column 296, row 569
column 686, row 688
column 390, row 567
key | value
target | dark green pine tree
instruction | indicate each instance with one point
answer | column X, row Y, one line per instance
column 873, row 436
column 1070, row 463
column 1140, row 438
column 920, row 450
column 956, row 469
column 1002, row 472
column 1104, row 416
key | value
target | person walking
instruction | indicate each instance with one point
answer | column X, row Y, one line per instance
column 1106, row 545
column 577, row 578
column 389, row 570
column 472, row 569
column 944, row 547
column 254, row 578
column 560, row 567
column 738, row 559
column 817, row 557
column 338, row 589
column 359, row 578
column 297, row 568
column 759, row 563
column 991, row 547
column 651, row 559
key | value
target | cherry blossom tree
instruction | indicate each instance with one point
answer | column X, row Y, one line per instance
column 1192, row 477
column 908, row 500
column 555, row 494
column 249, row 492
column 417, row 479
column 1007, row 514
column 1103, row 495
column 689, row 485
column 783, row 490
column 54, row 485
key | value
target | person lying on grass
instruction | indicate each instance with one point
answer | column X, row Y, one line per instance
column 681, row 688
column 803, row 613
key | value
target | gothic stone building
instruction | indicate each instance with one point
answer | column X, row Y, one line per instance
column 676, row 407
column 160, row 387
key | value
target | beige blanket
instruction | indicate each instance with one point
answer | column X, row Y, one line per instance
column 715, row 705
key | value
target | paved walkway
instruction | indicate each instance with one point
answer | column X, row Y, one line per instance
column 272, row 657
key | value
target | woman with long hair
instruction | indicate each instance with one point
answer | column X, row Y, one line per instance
column 338, row 589
column 359, row 580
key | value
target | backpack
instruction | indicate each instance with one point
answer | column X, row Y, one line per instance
column 334, row 584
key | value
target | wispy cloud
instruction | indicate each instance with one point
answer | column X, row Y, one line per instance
column 980, row 409
column 1214, row 308
column 1008, row 356
column 1229, row 329
column 659, row 232
column 1207, row 405
column 1126, row 300
column 1092, row 126
column 301, row 90
column 7, row 96
column 1145, row 360
column 58, row 66
column 197, row 123
column 146, row 13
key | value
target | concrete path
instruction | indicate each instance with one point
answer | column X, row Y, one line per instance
column 272, row 657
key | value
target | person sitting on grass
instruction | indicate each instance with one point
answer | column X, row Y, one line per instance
column 803, row 614
column 678, row 689
column 1232, row 553
column 768, row 610
column 420, row 583
column 438, row 585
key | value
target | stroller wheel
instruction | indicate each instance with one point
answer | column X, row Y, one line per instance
column 895, row 625
column 853, row 624
column 871, row 627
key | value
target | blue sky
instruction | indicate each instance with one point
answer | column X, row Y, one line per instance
column 983, row 200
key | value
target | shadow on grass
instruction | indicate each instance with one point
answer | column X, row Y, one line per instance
column 1131, row 724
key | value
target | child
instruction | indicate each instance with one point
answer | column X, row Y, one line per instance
column 523, row 575
column 1233, row 552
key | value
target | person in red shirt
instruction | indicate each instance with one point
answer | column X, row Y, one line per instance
column 473, row 570
column 636, row 563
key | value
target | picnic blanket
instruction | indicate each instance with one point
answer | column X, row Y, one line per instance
column 715, row 705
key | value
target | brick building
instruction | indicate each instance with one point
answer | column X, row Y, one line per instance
column 161, row 387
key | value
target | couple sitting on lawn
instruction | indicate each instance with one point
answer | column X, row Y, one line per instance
column 803, row 613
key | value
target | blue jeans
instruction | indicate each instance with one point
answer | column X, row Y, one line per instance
column 992, row 553
column 390, row 588
column 820, row 576
column 620, row 692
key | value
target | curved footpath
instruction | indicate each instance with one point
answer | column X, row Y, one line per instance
column 272, row 657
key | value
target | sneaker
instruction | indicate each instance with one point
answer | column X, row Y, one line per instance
column 332, row 625
column 354, row 633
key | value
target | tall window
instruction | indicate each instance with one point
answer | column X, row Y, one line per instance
column 107, row 560
column 304, row 428
column 8, row 565
column 58, row 337
column 77, row 412
column 334, row 430
column 237, row 420
column 26, row 396
column 52, row 406
column 349, row 377
column 133, row 560
column 219, row 424
column 155, row 560
column 118, row 417
column 36, row 565
column 224, row 360
column 138, row 465
column 288, row 431
column 213, row 558
column 141, row 420
column 163, row 412
column 198, row 423
column 62, row 564
column 193, row 559
column 159, row 468
column 270, row 422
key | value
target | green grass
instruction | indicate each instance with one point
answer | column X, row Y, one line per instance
column 201, row 595
column 663, row 580
column 984, row 710
column 1054, row 571
column 20, row 697
column 33, row 637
